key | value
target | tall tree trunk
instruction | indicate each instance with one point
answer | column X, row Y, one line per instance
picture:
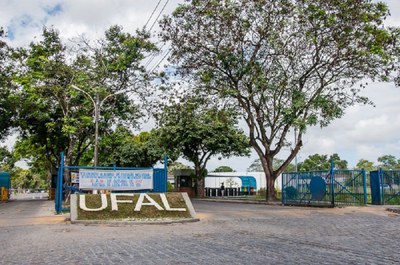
column 199, row 180
column 199, row 188
column 68, row 158
column 271, row 189
column 269, row 177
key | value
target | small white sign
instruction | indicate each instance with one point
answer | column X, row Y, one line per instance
column 115, row 179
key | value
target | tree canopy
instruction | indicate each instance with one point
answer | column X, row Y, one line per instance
column 224, row 169
column 124, row 149
column 322, row 162
column 365, row 164
column 198, row 131
column 8, row 100
column 286, row 64
column 53, row 116
column 388, row 162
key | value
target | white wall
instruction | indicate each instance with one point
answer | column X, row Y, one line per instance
column 215, row 182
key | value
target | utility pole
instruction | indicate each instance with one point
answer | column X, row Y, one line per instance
column 97, row 108
column 96, row 134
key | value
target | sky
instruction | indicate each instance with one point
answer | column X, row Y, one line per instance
column 365, row 132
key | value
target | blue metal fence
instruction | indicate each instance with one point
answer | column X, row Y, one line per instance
column 325, row 188
column 385, row 186
column 63, row 189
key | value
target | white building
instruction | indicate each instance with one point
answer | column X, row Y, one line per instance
column 214, row 179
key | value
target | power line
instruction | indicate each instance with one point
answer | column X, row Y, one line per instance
column 153, row 57
column 159, row 14
column 170, row 49
column 152, row 13
column 162, row 59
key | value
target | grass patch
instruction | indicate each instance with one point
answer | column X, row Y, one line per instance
column 126, row 210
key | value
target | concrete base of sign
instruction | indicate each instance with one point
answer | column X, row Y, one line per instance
column 75, row 217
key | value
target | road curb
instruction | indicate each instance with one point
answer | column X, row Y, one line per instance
column 127, row 223
column 239, row 201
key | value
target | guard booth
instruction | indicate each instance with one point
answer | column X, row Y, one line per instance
column 184, row 181
column 5, row 186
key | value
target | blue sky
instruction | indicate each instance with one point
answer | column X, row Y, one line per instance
column 364, row 132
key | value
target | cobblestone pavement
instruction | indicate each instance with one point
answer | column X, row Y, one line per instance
column 228, row 233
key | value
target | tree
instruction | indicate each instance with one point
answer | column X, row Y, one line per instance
column 256, row 166
column 6, row 159
column 338, row 163
column 230, row 183
column 365, row 164
column 199, row 132
column 8, row 101
column 322, row 162
column 388, row 162
column 224, row 169
column 286, row 64
column 55, row 117
column 125, row 149
column 315, row 162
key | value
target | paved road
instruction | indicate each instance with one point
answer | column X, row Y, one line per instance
column 227, row 234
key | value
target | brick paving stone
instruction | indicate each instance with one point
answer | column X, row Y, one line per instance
column 226, row 234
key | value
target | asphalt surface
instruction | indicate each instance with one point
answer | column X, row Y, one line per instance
column 227, row 233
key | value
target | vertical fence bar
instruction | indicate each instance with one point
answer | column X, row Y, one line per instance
column 165, row 185
column 283, row 188
column 59, row 188
column 332, row 172
column 364, row 174
column 382, row 185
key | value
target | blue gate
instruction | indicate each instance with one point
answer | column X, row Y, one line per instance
column 385, row 186
column 325, row 188
column 63, row 188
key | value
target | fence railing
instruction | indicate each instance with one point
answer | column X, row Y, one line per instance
column 325, row 188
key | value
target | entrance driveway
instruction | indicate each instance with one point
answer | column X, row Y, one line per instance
column 228, row 233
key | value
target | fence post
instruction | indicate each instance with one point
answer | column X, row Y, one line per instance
column 165, row 173
column 364, row 174
column 381, row 185
column 283, row 193
column 59, row 188
column 332, row 172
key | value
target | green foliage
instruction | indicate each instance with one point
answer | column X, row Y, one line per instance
column 6, row 159
column 318, row 162
column 256, row 165
column 197, row 132
column 27, row 179
column 224, row 169
column 286, row 64
column 388, row 162
column 170, row 187
column 122, row 148
column 53, row 116
column 8, row 99
column 365, row 164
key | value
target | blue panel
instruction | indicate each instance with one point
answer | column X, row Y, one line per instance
column 249, row 181
column 375, row 190
column 159, row 180
column 5, row 180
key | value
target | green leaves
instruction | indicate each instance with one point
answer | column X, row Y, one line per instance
column 198, row 132
column 122, row 148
